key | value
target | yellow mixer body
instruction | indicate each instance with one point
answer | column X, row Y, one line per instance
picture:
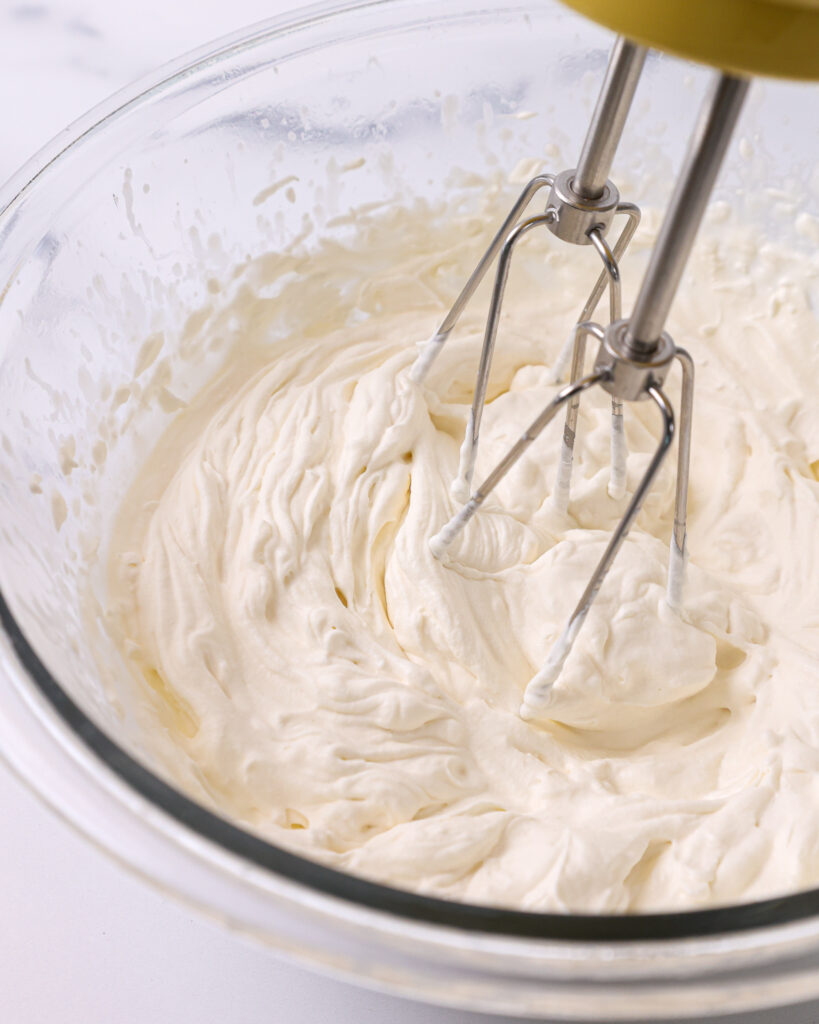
column 746, row 37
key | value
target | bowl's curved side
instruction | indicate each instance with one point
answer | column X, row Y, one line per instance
column 437, row 963
column 479, row 957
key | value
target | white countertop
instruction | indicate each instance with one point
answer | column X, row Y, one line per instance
column 81, row 941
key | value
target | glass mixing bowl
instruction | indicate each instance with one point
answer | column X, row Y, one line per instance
column 115, row 243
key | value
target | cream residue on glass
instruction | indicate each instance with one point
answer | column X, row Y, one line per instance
column 328, row 683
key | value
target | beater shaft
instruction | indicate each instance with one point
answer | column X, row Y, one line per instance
column 609, row 118
column 682, row 221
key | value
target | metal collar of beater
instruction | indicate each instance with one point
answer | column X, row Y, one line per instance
column 573, row 217
column 627, row 371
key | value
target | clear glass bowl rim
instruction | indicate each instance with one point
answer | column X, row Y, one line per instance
column 488, row 920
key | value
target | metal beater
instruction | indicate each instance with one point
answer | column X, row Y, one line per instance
column 634, row 354
column 580, row 209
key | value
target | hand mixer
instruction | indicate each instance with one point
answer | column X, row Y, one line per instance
column 635, row 354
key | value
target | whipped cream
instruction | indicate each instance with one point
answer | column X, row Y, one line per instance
column 326, row 681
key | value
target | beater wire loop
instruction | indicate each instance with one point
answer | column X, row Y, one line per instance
column 442, row 540
column 431, row 350
column 678, row 553
column 536, row 697
column 469, row 448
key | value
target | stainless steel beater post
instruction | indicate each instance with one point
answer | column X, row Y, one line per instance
column 609, row 118
column 669, row 256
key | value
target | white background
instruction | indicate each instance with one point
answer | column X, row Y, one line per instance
column 81, row 942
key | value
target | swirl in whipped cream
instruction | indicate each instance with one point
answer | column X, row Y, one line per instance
column 327, row 682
